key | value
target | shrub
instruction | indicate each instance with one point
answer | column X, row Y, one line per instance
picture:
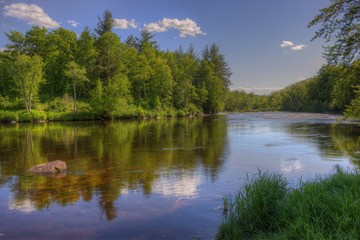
column 6, row 116
column 24, row 116
column 181, row 113
column 38, row 116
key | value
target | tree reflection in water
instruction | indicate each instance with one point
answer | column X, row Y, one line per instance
column 107, row 159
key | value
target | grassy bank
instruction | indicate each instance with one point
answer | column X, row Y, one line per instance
column 268, row 208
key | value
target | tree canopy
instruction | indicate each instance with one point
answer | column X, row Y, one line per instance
column 98, row 72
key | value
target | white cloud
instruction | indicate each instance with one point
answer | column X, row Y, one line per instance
column 298, row 47
column 186, row 27
column 73, row 23
column 286, row 44
column 2, row 49
column 125, row 24
column 31, row 14
column 292, row 46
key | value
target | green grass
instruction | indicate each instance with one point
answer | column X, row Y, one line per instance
column 268, row 208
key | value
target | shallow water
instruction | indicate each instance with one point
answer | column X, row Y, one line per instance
column 160, row 179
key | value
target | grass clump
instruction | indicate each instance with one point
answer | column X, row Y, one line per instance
column 267, row 208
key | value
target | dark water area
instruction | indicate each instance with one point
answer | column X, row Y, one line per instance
column 156, row 179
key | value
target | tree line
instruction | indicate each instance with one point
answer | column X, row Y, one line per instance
column 336, row 87
column 97, row 72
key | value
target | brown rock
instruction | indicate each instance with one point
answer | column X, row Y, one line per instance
column 56, row 166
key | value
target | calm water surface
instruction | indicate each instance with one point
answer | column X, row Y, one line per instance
column 161, row 179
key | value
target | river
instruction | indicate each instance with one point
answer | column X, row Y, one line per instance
column 156, row 179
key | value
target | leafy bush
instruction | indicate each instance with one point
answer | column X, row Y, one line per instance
column 38, row 116
column 6, row 116
column 11, row 104
column 33, row 116
column 25, row 116
column 59, row 104
column 181, row 113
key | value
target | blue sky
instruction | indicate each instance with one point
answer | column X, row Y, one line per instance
column 266, row 42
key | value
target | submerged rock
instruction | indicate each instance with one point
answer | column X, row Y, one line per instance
column 56, row 166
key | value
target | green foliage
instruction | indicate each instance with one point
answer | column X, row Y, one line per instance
column 33, row 116
column 267, row 208
column 11, row 104
column 77, row 74
column 6, row 116
column 59, row 104
column 353, row 110
column 340, row 22
column 27, row 75
column 240, row 101
column 114, row 96
column 105, row 24
column 115, row 78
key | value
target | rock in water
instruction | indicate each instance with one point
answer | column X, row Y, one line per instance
column 56, row 166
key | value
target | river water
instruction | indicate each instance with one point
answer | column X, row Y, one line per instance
column 156, row 179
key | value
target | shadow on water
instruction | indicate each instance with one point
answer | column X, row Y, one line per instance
column 105, row 160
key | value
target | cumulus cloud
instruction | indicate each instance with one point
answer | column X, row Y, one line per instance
column 73, row 23
column 298, row 47
column 125, row 24
column 286, row 44
column 31, row 14
column 186, row 27
column 292, row 46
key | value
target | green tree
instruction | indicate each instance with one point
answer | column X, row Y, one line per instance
column 109, row 62
column 28, row 74
column 77, row 74
column 109, row 98
column 340, row 22
column 219, row 65
column 105, row 24
column 216, row 91
column 86, row 52
column 347, row 77
column 17, row 42
column 36, row 42
column 353, row 110
column 160, row 85
column 86, row 56
column 62, row 46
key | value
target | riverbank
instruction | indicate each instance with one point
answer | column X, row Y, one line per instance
column 42, row 116
column 267, row 207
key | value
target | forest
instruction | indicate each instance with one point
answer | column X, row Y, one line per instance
column 335, row 89
column 57, row 75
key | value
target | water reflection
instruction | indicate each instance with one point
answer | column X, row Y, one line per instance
column 108, row 160
column 146, row 179
column 333, row 140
